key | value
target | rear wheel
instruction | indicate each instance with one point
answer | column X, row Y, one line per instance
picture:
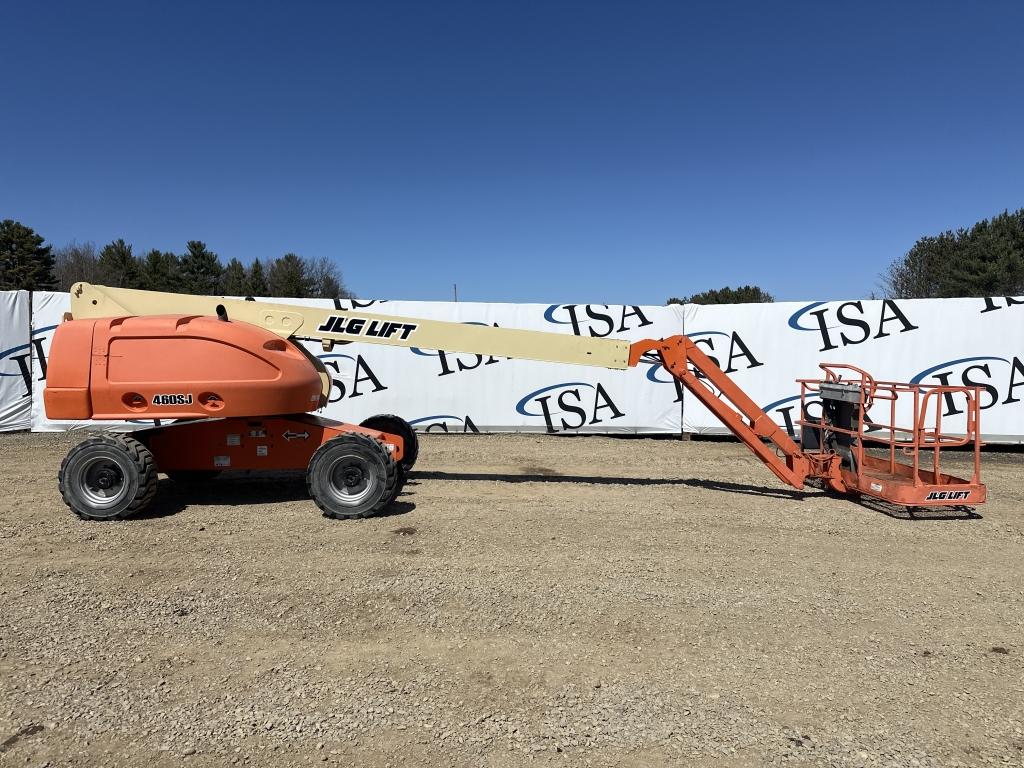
column 108, row 477
column 352, row 476
column 396, row 425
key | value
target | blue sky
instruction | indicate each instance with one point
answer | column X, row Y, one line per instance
column 552, row 152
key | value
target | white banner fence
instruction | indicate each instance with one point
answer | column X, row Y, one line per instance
column 764, row 347
column 15, row 361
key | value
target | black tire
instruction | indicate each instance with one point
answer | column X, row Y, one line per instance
column 192, row 475
column 399, row 484
column 108, row 477
column 352, row 476
column 396, row 425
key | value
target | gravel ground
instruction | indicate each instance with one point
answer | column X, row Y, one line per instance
column 533, row 599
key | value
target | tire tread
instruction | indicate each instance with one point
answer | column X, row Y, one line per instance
column 137, row 453
column 391, row 477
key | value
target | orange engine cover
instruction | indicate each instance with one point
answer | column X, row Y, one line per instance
column 174, row 367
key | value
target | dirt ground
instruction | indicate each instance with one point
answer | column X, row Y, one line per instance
column 559, row 601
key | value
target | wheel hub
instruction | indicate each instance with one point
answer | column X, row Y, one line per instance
column 353, row 476
column 351, row 480
column 106, row 478
column 102, row 482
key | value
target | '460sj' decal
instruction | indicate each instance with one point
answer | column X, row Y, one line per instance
column 175, row 399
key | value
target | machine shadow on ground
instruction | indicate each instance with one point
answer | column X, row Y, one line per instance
column 544, row 475
column 920, row 514
column 242, row 489
column 541, row 475
column 874, row 505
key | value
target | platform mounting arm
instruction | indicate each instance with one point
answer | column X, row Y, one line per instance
column 725, row 399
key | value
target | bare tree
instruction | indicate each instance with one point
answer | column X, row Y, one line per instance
column 76, row 262
column 325, row 279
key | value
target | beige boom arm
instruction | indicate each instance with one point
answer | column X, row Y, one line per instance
column 334, row 325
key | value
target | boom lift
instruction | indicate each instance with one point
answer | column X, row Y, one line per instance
column 227, row 387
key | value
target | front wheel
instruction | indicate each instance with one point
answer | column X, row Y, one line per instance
column 108, row 477
column 352, row 476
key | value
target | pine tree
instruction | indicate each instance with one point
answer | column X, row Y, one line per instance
column 745, row 294
column 200, row 270
column 256, row 280
column 25, row 263
column 117, row 266
column 288, row 278
column 233, row 282
column 985, row 260
column 160, row 272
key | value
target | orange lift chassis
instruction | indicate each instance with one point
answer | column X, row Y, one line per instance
column 229, row 388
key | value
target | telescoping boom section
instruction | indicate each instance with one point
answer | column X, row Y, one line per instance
column 227, row 387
